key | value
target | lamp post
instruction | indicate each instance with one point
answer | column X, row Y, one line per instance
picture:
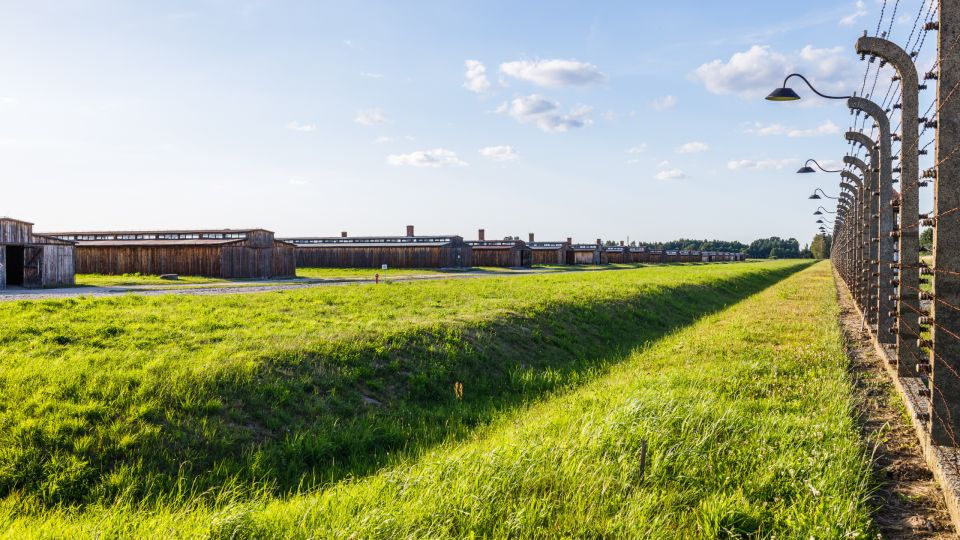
column 821, row 210
column 787, row 94
column 807, row 169
column 815, row 196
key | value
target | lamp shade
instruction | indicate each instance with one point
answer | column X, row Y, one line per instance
column 806, row 169
column 814, row 196
column 783, row 94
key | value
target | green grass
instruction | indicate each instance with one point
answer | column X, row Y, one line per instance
column 366, row 273
column 244, row 416
column 101, row 280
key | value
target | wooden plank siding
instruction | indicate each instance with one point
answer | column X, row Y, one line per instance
column 373, row 252
column 40, row 261
column 500, row 253
column 219, row 253
column 552, row 253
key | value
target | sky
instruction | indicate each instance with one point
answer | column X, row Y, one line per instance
column 616, row 120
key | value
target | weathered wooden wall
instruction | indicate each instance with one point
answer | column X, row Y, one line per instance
column 504, row 258
column 149, row 260
column 15, row 232
column 549, row 256
column 58, row 266
column 401, row 256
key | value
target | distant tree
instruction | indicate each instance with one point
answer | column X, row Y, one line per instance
column 926, row 240
column 821, row 246
column 764, row 248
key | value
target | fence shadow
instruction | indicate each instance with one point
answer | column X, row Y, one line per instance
column 320, row 416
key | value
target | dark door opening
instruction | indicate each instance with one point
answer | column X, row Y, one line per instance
column 14, row 265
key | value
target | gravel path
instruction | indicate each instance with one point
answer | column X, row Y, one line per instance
column 246, row 287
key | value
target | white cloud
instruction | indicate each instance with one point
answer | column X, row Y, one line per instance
column 694, row 147
column 298, row 181
column 638, row 149
column 663, row 164
column 5, row 100
column 297, row 126
column 755, row 72
column 826, row 128
column 670, row 174
column 664, row 103
column 383, row 139
column 438, row 157
column 370, row 117
column 545, row 113
column 859, row 11
column 553, row 73
column 371, row 75
column 761, row 165
column 500, row 153
column 476, row 76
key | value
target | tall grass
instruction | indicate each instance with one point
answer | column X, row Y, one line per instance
column 208, row 415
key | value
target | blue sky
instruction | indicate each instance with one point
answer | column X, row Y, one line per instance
column 609, row 120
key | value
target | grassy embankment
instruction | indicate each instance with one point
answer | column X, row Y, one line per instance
column 201, row 415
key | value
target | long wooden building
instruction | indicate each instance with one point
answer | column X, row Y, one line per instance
column 499, row 253
column 410, row 251
column 33, row 260
column 588, row 253
column 552, row 252
column 221, row 253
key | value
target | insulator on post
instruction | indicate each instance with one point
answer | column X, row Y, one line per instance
column 932, row 26
column 928, row 222
column 894, row 137
column 894, row 234
column 895, row 78
column 932, row 124
column 924, row 295
column 895, row 282
column 893, row 330
column 930, row 76
column 922, row 152
column 922, row 184
column 926, row 271
column 892, row 314
column 925, row 319
column 923, row 391
column 924, row 343
column 921, row 87
column 923, row 369
column 923, row 417
column 897, row 105
column 896, row 169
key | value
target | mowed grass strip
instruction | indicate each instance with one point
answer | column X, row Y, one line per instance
column 746, row 414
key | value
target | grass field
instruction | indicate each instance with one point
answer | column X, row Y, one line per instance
column 331, row 413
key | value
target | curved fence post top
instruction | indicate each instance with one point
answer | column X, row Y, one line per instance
column 854, row 179
column 861, row 139
column 892, row 53
column 872, row 109
column 856, row 162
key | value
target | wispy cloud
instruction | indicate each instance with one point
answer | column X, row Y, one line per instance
column 670, row 174
column 760, row 165
column 297, row 126
column 553, row 73
column 500, row 153
column 370, row 117
column 826, row 128
column 694, row 147
column 545, row 113
column 371, row 75
column 476, row 77
column 664, row 103
column 436, row 158
column 298, row 181
column 858, row 12
column 637, row 149
column 752, row 73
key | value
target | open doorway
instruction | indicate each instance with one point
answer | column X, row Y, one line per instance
column 14, row 265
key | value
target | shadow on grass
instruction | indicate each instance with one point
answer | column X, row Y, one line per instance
column 347, row 410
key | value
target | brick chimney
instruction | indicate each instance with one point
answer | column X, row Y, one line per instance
column 569, row 240
column 621, row 242
column 531, row 237
column 343, row 234
column 409, row 230
column 480, row 235
column 599, row 242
